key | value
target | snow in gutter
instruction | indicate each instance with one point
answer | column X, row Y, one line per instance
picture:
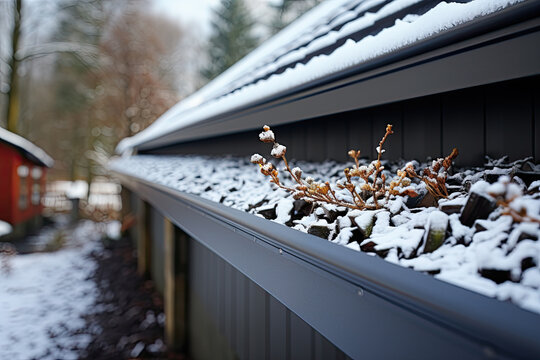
column 494, row 255
column 410, row 29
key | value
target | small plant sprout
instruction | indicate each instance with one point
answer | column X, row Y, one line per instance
column 434, row 176
column 509, row 196
column 365, row 195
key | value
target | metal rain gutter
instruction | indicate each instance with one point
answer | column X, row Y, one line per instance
column 351, row 298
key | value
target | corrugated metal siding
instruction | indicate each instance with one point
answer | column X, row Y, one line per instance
column 495, row 120
column 536, row 124
column 158, row 248
column 232, row 317
column 134, row 205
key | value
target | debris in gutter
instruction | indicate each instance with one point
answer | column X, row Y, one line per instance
column 491, row 248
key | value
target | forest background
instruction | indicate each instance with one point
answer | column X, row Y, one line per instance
column 76, row 76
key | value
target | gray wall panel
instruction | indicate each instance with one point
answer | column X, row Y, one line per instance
column 242, row 316
column 278, row 339
column 221, row 294
column 426, row 127
column 198, row 280
column 536, row 123
column 422, row 128
column 301, row 339
column 316, row 140
column 207, row 339
column 323, row 349
column 509, row 114
column 229, row 307
column 298, row 142
column 158, row 248
column 135, row 204
column 212, row 279
column 336, row 139
column 200, row 336
column 360, row 127
column 463, row 126
column 257, row 322
column 383, row 115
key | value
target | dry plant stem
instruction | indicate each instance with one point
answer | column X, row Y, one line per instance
column 378, row 168
column 435, row 185
column 518, row 217
column 290, row 171
column 310, row 190
column 357, row 199
column 314, row 196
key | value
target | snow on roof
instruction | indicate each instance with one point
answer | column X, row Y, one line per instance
column 29, row 150
column 332, row 37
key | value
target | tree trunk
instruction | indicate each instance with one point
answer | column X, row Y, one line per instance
column 12, row 111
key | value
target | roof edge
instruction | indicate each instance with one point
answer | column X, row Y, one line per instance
column 27, row 148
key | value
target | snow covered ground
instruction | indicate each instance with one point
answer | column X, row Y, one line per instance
column 489, row 253
column 44, row 296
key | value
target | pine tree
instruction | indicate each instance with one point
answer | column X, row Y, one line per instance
column 289, row 10
column 232, row 37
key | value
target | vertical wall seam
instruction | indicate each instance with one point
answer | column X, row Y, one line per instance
column 246, row 319
column 348, row 131
column 533, row 124
column 441, row 125
column 188, row 248
column 312, row 342
column 371, row 126
column 484, row 115
column 402, row 127
column 267, row 325
column 232, row 325
column 287, row 334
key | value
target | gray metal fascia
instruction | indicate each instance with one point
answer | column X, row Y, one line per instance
column 364, row 305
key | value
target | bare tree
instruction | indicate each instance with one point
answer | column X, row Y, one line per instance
column 12, row 108
column 140, row 55
column 19, row 52
column 112, row 67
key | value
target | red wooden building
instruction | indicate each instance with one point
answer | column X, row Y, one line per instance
column 22, row 181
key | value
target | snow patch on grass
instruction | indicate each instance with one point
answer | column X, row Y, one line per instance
column 44, row 297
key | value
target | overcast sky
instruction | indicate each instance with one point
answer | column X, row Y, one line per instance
column 198, row 13
column 191, row 13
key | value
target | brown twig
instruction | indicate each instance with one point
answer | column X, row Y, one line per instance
column 435, row 175
column 311, row 190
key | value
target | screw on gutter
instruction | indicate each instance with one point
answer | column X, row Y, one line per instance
column 360, row 292
column 280, row 252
